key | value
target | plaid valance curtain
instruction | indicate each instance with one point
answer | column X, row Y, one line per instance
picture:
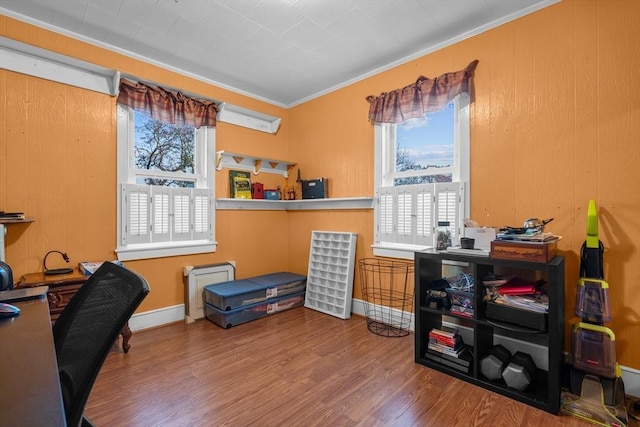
column 167, row 106
column 417, row 99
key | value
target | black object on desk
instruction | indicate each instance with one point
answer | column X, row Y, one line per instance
column 8, row 310
column 23, row 294
column 29, row 371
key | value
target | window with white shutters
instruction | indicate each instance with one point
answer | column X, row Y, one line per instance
column 158, row 214
column 168, row 208
column 419, row 185
column 411, row 212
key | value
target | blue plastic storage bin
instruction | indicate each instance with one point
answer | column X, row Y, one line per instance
column 243, row 314
column 237, row 293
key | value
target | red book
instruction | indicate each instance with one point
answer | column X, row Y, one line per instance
column 518, row 286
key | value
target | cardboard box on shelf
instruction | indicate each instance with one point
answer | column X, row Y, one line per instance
column 524, row 251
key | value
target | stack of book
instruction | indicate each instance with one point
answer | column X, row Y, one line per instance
column 537, row 237
column 447, row 347
column 11, row 215
column 88, row 268
column 517, row 292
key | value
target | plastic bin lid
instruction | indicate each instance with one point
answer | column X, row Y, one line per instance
column 257, row 305
column 233, row 287
column 274, row 279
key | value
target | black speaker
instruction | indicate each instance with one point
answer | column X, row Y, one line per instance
column 6, row 277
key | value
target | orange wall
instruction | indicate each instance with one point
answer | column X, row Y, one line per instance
column 58, row 165
column 555, row 122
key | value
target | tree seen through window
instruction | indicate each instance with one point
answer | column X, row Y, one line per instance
column 164, row 147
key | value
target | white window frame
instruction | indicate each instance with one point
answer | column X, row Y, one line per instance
column 406, row 216
column 165, row 221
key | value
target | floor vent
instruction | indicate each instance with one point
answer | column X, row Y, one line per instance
column 196, row 278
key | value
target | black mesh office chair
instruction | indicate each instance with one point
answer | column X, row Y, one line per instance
column 87, row 329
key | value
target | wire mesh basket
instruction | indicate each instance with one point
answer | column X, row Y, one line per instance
column 387, row 293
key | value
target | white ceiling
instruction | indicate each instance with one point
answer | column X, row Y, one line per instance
column 281, row 51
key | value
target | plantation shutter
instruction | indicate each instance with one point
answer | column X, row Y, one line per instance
column 163, row 214
column 181, row 213
column 160, row 227
column 385, row 209
column 424, row 215
column 408, row 214
column 404, row 214
column 449, row 207
column 201, row 212
column 136, row 206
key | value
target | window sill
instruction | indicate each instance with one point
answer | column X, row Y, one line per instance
column 295, row 205
column 397, row 250
column 135, row 252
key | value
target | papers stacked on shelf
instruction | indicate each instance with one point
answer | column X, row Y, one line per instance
column 537, row 303
column 539, row 237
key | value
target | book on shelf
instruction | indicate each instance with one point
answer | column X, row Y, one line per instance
column 239, row 184
column 451, row 345
column 447, row 342
column 538, row 303
column 529, row 238
column 448, row 363
column 459, row 310
column 453, row 352
column 11, row 215
column 464, row 358
column 518, row 286
column 445, row 331
column 88, row 268
column 452, row 342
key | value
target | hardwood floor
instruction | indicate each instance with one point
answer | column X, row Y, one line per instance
column 297, row 368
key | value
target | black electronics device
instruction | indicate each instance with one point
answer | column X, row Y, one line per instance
column 315, row 188
column 437, row 299
column 6, row 277
column 8, row 310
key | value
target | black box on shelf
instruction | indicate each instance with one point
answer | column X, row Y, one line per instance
column 315, row 188
column 517, row 316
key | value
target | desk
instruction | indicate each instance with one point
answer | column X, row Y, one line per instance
column 62, row 287
column 29, row 379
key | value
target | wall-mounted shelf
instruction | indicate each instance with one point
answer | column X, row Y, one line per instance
column 3, row 223
column 224, row 159
column 229, row 113
column 295, row 205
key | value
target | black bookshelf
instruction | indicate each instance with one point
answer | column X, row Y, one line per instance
column 544, row 392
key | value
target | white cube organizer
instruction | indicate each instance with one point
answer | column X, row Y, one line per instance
column 330, row 277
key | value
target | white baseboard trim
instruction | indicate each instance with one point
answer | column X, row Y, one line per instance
column 159, row 317
column 176, row 313
column 631, row 379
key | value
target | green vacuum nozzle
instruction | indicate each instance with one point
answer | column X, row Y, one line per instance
column 592, row 225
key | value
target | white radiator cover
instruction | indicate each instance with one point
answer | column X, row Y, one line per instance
column 196, row 278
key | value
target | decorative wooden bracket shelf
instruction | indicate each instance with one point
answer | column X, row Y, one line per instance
column 252, row 164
